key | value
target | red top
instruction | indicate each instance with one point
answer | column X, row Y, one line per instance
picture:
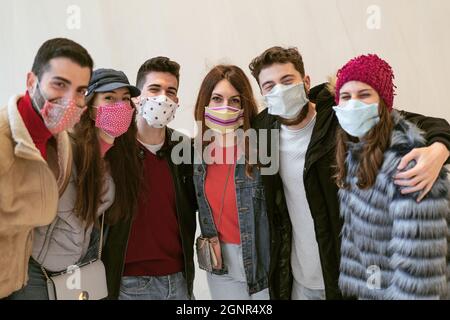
column 154, row 246
column 216, row 177
column 34, row 124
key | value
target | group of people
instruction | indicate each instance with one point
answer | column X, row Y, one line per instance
column 87, row 171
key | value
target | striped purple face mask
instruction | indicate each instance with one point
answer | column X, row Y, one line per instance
column 224, row 119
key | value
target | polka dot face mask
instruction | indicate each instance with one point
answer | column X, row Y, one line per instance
column 62, row 116
column 158, row 111
column 114, row 119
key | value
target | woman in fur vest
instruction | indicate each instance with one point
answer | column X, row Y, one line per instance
column 393, row 247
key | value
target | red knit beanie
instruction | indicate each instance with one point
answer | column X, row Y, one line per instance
column 371, row 70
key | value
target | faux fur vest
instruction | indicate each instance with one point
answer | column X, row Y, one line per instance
column 392, row 246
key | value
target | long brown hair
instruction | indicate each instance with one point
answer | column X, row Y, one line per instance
column 376, row 143
column 240, row 82
column 124, row 166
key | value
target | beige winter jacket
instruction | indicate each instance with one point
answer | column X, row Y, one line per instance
column 29, row 193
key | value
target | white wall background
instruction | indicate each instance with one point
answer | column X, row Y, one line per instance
column 413, row 35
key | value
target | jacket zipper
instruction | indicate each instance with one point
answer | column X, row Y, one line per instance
column 178, row 214
column 125, row 251
column 27, row 260
column 172, row 169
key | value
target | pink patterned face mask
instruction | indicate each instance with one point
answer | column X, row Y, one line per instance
column 114, row 119
column 62, row 116
column 58, row 116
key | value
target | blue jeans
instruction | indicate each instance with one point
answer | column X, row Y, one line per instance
column 233, row 285
column 36, row 288
column 300, row 292
column 171, row 287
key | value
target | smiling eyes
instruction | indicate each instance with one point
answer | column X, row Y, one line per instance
column 62, row 86
column 156, row 90
column 287, row 82
column 360, row 96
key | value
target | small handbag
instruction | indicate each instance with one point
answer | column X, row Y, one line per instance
column 207, row 259
column 83, row 282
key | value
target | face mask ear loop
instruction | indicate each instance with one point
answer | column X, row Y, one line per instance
column 42, row 97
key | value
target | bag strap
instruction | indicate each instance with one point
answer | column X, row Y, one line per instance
column 219, row 223
column 45, row 273
column 100, row 247
column 46, row 244
column 48, row 236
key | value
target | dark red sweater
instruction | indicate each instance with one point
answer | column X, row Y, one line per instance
column 35, row 125
column 154, row 246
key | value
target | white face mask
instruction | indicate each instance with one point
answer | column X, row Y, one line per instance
column 158, row 111
column 357, row 118
column 286, row 101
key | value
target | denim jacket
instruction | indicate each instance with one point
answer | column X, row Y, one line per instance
column 253, row 222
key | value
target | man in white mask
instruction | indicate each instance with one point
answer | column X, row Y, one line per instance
column 151, row 258
column 302, row 198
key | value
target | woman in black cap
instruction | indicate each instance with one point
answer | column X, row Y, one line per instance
column 105, row 178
